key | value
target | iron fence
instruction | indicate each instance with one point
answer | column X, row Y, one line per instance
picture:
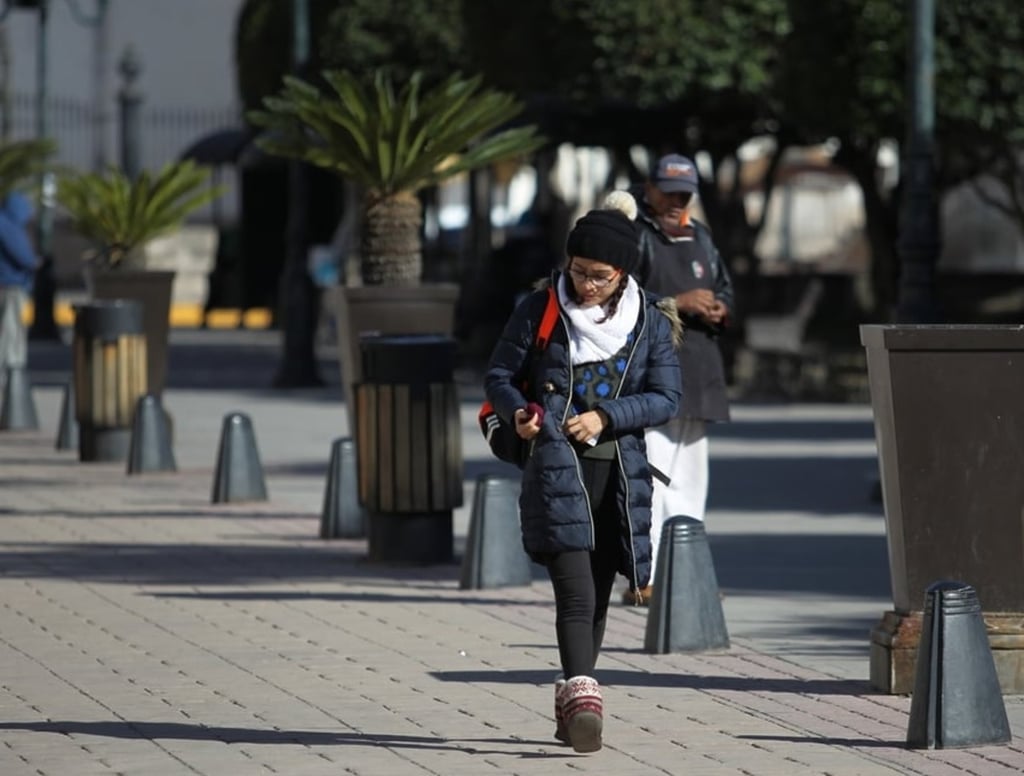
column 88, row 139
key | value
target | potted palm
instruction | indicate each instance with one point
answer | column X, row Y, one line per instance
column 393, row 141
column 119, row 215
column 21, row 161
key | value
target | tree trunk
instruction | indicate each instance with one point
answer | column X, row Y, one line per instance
column 881, row 225
column 299, row 300
column 392, row 246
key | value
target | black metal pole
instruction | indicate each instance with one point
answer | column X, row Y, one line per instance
column 44, row 289
column 130, row 99
column 918, row 245
column 100, row 114
column 298, row 297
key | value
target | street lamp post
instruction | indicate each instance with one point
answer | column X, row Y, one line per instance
column 45, row 287
column 130, row 99
column 44, row 290
column 918, row 244
column 298, row 367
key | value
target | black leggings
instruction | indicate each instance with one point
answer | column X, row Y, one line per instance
column 582, row 579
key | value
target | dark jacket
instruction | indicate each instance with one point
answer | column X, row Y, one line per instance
column 554, row 509
column 17, row 259
column 669, row 267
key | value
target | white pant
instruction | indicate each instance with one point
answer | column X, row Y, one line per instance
column 679, row 450
column 13, row 336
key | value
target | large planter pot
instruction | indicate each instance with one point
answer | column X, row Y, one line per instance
column 361, row 310
column 153, row 289
column 948, row 405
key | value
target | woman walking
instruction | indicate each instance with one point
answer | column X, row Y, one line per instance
column 581, row 404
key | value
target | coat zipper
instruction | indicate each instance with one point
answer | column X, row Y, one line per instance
column 565, row 416
column 618, row 453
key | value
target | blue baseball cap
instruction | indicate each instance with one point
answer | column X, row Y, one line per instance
column 675, row 173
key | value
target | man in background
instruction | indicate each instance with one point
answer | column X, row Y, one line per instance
column 18, row 263
column 679, row 260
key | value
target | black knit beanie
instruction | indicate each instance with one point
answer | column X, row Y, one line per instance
column 608, row 236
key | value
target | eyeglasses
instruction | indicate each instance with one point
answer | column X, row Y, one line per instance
column 598, row 281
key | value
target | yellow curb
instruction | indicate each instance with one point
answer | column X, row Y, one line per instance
column 185, row 316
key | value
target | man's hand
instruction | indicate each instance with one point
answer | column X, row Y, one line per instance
column 702, row 303
column 699, row 302
column 718, row 313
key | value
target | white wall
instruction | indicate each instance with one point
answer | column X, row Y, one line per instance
column 186, row 47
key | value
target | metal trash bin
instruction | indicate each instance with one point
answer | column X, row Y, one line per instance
column 409, row 446
column 109, row 363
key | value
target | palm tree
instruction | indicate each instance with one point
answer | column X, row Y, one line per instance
column 120, row 214
column 393, row 143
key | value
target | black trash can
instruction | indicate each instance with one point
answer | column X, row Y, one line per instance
column 409, row 446
column 109, row 368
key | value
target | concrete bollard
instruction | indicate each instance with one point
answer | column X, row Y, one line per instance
column 342, row 517
column 19, row 408
column 685, row 611
column 67, row 430
column 957, row 701
column 494, row 547
column 150, row 448
column 239, row 475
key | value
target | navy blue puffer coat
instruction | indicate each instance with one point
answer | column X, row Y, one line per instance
column 554, row 510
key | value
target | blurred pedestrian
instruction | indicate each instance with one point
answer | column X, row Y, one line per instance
column 679, row 260
column 608, row 372
column 18, row 263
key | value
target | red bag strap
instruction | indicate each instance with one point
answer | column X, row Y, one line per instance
column 547, row 321
column 547, row 325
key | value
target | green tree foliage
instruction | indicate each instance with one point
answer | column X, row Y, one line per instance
column 682, row 75
column 980, row 97
column 399, row 36
column 264, row 35
column 844, row 76
column 361, row 36
column 645, row 54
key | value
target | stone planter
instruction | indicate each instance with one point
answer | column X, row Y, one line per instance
column 153, row 289
column 359, row 310
column 949, row 423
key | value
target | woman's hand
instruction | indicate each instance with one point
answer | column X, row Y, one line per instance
column 586, row 426
column 527, row 423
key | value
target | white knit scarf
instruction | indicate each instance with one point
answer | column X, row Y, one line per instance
column 592, row 341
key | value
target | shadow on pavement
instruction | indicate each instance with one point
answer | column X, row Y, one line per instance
column 816, row 484
column 239, row 735
column 854, row 566
column 826, row 564
column 203, row 360
column 670, row 681
column 796, row 429
column 190, row 564
column 856, row 743
column 425, row 597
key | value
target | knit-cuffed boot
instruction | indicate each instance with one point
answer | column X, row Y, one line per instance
column 583, row 710
column 560, row 732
